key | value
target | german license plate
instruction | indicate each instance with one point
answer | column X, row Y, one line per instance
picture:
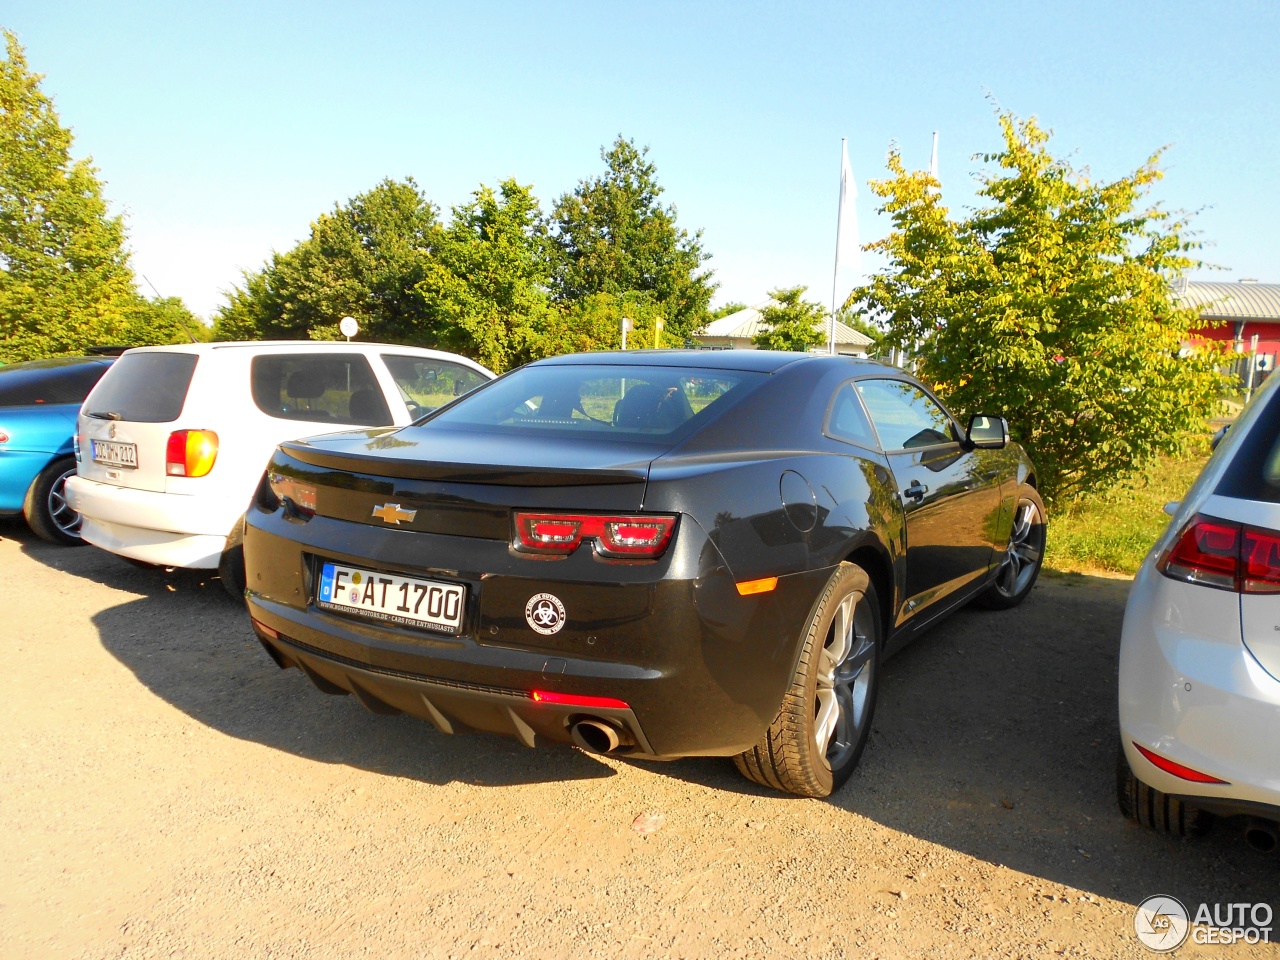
column 385, row 596
column 114, row 453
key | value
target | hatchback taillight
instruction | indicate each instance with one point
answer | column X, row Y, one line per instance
column 1225, row 555
column 630, row 536
column 190, row 453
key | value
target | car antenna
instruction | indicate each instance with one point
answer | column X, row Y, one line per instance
column 190, row 336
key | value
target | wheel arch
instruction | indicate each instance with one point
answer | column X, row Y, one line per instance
column 873, row 559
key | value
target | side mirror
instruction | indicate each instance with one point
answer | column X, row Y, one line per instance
column 987, row 432
column 1218, row 435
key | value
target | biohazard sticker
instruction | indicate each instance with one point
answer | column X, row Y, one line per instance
column 544, row 613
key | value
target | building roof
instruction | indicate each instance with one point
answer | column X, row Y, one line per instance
column 1232, row 301
column 746, row 323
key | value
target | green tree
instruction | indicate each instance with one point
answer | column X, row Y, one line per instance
column 724, row 310
column 163, row 320
column 65, row 280
column 364, row 259
column 487, row 282
column 855, row 320
column 612, row 235
column 595, row 323
column 1051, row 305
column 790, row 322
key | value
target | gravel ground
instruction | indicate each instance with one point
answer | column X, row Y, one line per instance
column 166, row 791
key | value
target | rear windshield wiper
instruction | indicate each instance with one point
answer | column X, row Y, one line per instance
column 105, row 415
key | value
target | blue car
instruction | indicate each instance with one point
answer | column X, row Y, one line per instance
column 39, row 401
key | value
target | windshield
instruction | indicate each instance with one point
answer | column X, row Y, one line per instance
column 609, row 402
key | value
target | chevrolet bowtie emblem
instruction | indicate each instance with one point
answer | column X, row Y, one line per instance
column 391, row 513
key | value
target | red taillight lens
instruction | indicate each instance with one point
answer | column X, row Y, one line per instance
column 637, row 537
column 4, row 437
column 301, row 496
column 1261, row 561
column 190, row 453
column 1226, row 555
column 1208, row 553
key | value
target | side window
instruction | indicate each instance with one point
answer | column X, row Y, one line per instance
column 425, row 384
column 321, row 388
column 905, row 416
column 848, row 420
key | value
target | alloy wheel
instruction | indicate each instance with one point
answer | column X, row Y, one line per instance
column 844, row 681
column 1022, row 557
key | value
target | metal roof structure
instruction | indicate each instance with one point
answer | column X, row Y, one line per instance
column 746, row 323
column 1242, row 300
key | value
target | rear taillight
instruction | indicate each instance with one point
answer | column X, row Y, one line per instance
column 632, row 537
column 190, row 453
column 300, row 497
column 1225, row 555
column 4, row 438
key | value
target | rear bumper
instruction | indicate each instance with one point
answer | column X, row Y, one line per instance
column 162, row 528
column 1191, row 692
column 700, row 668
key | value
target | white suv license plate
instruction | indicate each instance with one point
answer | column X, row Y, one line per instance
column 114, row 453
column 385, row 596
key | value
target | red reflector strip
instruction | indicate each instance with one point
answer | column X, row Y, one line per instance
column 1177, row 769
column 577, row 700
column 265, row 630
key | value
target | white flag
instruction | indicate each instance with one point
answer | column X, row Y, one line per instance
column 933, row 163
column 848, row 247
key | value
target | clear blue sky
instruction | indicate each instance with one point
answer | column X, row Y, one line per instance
column 222, row 130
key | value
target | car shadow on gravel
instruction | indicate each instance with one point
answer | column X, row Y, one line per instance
column 995, row 735
column 191, row 645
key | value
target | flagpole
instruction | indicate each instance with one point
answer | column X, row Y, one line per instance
column 835, row 270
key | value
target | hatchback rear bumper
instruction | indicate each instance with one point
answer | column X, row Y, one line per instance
column 162, row 528
column 1191, row 693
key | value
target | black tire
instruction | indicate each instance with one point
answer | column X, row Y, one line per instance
column 1153, row 809
column 231, row 566
column 788, row 756
column 46, row 509
column 1023, row 556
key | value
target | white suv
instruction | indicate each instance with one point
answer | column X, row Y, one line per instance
column 172, row 442
column 1200, row 648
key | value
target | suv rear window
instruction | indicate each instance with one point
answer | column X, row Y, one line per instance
column 329, row 388
column 49, row 381
column 143, row 388
column 1254, row 470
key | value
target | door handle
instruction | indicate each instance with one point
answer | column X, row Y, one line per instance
column 916, row 491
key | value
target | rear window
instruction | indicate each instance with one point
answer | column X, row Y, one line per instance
column 323, row 388
column 49, row 381
column 426, row 384
column 143, row 388
column 1254, row 471
column 618, row 402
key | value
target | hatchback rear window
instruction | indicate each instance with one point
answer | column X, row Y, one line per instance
column 143, row 388
column 622, row 402
column 49, row 381
column 324, row 388
column 1254, row 471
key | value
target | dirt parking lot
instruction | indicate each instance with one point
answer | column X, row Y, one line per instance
column 168, row 792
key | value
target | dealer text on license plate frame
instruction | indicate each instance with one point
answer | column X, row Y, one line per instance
column 409, row 601
column 114, row 453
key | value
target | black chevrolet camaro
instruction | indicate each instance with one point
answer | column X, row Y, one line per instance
column 658, row 554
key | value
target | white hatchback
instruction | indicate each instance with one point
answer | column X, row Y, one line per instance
column 1200, row 648
column 172, row 442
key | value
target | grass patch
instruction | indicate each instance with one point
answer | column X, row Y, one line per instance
column 1111, row 531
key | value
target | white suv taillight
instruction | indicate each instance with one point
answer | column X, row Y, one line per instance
column 1225, row 555
column 190, row 453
